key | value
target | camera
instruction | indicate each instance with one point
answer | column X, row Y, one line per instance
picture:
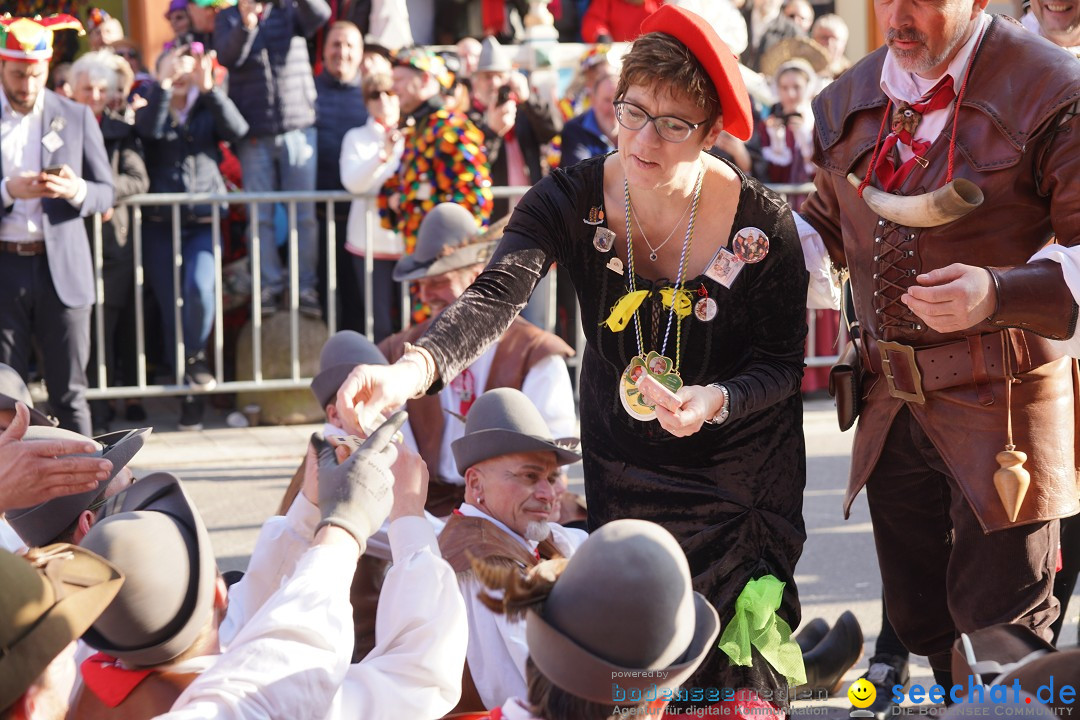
column 503, row 95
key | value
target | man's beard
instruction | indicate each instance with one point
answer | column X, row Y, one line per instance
column 538, row 530
column 918, row 59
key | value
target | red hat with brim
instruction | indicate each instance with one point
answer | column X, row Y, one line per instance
column 715, row 56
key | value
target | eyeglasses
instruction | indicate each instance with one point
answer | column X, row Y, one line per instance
column 668, row 127
column 377, row 94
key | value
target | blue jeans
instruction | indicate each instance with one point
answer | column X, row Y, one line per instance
column 197, row 280
column 286, row 163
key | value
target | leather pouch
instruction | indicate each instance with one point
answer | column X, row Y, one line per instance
column 845, row 384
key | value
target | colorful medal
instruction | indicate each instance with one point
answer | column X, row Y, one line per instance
column 705, row 309
column 654, row 364
column 750, row 245
column 596, row 216
column 603, row 239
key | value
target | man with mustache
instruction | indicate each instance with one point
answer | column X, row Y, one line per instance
column 955, row 320
column 511, row 467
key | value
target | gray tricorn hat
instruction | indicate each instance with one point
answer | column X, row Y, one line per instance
column 13, row 390
column 579, row 638
column 504, row 421
column 41, row 524
column 342, row 352
column 448, row 239
column 155, row 536
column 493, row 57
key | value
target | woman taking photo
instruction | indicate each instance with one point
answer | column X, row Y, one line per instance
column 688, row 273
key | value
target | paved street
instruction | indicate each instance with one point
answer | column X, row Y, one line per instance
column 237, row 477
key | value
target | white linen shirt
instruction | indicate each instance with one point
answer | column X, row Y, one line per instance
column 497, row 647
column 20, row 148
column 414, row 671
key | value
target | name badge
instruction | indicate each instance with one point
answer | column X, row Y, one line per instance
column 725, row 267
column 52, row 141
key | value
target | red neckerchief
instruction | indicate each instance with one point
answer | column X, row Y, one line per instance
column 465, row 387
column 108, row 680
column 891, row 178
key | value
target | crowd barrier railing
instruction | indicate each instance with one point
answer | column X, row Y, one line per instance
column 331, row 201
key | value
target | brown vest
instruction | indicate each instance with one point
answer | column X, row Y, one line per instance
column 476, row 537
column 521, row 347
column 154, row 696
column 1011, row 150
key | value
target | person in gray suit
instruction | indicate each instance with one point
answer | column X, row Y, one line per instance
column 55, row 172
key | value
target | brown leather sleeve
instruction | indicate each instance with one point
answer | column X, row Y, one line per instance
column 1034, row 297
column 822, row 211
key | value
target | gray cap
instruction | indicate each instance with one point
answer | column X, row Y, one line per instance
column 493, row 57
column 448, row 239
column 41, row 524
column 342, row 352
column 579, row 639
column 13, row 389
column 502, row 422
column 155, row 536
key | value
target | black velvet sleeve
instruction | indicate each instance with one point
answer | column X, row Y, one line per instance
column 778, row 298
column 536, row 235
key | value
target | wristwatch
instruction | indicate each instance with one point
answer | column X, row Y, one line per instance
column 725, row 409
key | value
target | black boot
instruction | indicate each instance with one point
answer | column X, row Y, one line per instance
column 886, row 671
column 811, row 634
column 827, row 661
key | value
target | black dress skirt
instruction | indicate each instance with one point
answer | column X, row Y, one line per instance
column 731, row 493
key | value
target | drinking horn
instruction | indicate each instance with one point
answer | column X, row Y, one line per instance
column 951, row 202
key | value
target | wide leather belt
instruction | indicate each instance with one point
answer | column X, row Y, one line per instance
column 26, row 249
column 911, row 372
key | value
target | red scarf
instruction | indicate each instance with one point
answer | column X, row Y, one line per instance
column 108, row 680
column 891, row 177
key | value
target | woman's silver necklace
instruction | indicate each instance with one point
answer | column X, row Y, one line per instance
column 678, row 223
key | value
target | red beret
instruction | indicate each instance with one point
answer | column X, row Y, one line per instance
column 715, row 56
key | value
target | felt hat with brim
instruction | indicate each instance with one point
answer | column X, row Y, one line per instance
column 448, row 239
column 155, row 536
column 41, row 524
column 49, row 598
column 715, row 56
column 794, row 48
column 503, row 422
column 31, row 39
column 1061, row 668
column 342, row 352
column 622, row 612
column 493, row 57
column 987, row 651
column 13, row 390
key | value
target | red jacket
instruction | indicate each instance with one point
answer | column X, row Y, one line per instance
column 618, row 18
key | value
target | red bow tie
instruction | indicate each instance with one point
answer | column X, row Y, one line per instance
column 905, row 121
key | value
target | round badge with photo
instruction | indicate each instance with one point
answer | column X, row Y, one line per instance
column 750, row 245
column 655, row 365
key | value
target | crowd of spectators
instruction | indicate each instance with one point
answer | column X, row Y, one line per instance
column 307, row 95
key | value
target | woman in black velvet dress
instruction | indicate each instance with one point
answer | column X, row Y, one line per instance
column 724, row 471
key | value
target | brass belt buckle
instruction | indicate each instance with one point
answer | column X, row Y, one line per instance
column 21, row 249
column 886, row 368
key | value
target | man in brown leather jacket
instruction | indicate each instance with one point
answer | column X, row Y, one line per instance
column 951, row 308
column 450, row 252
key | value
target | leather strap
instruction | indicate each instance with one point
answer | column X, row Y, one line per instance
column 34, row 247
column 951, row 365
column 978, row 370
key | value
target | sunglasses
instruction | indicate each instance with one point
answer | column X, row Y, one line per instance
column 377, row 94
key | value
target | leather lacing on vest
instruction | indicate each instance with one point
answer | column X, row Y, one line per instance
column 895, row 271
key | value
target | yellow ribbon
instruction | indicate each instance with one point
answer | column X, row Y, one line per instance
column 628, row 304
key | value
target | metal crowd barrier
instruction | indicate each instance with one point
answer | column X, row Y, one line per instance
column 329, row 199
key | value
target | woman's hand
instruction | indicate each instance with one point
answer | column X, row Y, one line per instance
column 699, row 403
column 205, row 67
column 374, row 391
